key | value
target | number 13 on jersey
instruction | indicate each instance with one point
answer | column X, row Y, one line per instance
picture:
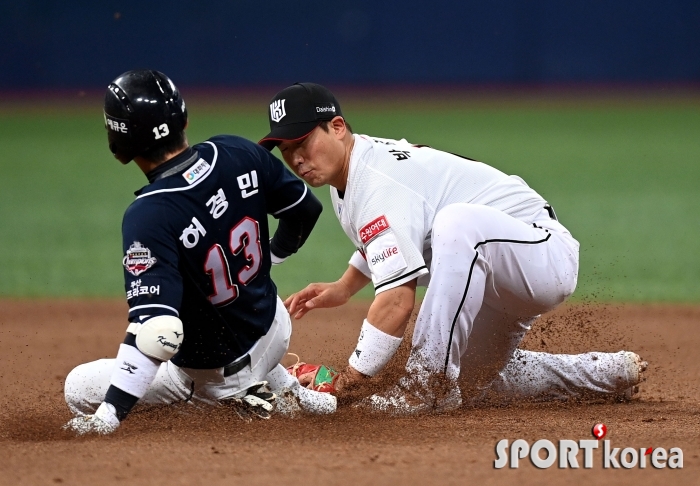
column 245, row 237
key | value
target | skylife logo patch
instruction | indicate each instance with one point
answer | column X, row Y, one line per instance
column 384, row 256
column 386, row 253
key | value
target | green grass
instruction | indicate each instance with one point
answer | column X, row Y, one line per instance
column 622, row 177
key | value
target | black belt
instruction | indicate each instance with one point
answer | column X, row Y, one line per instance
column 237, row 365
column 550, row 211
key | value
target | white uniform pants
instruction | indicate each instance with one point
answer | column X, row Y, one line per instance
column 87, row 384
column 491, row 276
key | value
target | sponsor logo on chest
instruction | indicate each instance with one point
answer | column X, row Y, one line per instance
column 373, row 229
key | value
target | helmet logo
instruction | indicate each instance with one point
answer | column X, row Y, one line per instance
column 116, row 125
column 161, row 131
column 277, row 110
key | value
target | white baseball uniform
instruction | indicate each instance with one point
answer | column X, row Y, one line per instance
column 492, row 255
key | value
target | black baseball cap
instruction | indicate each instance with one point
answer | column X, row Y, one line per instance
column 297, row 110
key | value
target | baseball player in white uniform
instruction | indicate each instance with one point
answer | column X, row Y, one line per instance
column 488, row 247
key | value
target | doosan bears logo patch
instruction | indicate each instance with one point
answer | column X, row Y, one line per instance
column 373, row 229
column 138, row 259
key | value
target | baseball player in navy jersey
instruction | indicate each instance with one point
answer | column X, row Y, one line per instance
column 205, row 320
column 488, row 247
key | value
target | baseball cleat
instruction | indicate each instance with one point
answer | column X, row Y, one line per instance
column 395, row 401
column 287, row 403
column 635, row 367
column 295, row 399
column 401, row 400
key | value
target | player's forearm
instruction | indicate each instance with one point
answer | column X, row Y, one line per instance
column 391, row 309
column 133, row 374
column 295, row 226
column 149, row 342
column 353, row 280
column 381, row 334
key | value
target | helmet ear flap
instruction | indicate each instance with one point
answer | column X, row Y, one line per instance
column 121, row 156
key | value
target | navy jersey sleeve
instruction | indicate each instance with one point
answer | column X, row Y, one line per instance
column 153, row 282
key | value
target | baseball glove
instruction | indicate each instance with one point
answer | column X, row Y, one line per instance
column 316, row 377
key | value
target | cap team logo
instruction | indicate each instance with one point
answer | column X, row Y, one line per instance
column 138, row 259
column 277, row 110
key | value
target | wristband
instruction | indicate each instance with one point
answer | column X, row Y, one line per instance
column 134, row 371
column 374, row 350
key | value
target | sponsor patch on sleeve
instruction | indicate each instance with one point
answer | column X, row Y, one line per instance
column 138, row 259
column 373, row 229
column 384, row 257
column 138, row 289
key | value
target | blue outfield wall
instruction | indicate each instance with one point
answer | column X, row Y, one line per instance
column 84, row 44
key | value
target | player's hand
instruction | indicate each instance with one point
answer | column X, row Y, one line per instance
column 317, row 295
column 349, row 378
column 350, row 385
column 103, row 422
column 257, row 401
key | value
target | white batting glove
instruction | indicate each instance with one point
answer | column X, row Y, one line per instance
column 103, row 422
column 257, row 401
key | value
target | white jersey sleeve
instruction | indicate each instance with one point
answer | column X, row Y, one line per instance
column 359, row 261
column 391, row 234
column 395, row 190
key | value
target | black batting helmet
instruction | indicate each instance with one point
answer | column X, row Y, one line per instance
column 143, row 109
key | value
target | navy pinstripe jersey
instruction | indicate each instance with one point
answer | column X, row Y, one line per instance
column 196, row 246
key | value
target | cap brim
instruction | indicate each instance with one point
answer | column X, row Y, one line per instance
column 288, row 133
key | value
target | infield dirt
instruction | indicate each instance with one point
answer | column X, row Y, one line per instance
column 41, row 341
